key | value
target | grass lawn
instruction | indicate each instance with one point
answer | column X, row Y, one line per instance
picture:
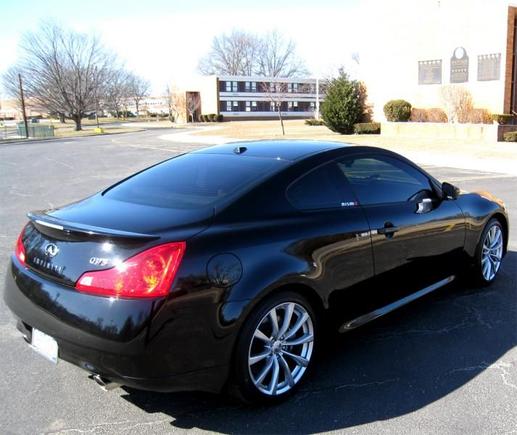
column 70, row 132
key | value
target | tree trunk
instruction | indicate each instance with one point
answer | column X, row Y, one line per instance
column 137, row 111
column 281, row 120
column 77, row 120
column 62, row 119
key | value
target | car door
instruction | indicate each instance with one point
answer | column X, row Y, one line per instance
column 334, row 232
column 417, row 237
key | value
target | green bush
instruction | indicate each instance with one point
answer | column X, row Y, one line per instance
column 511, row 136
column 502, row 118
column 212, row 117
column 367, row 128
column 344, row 104
column 220, row 118
column 202, row 118
column 397, row 111
column 314, row 122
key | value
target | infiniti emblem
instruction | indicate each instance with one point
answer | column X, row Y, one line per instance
column 51, row 250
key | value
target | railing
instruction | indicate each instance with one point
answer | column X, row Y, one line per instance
column 9, row 131
column 35, row 130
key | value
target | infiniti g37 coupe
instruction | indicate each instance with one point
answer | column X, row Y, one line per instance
column 215, row 270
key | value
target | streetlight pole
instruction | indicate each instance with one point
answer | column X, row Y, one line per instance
column 23, row 107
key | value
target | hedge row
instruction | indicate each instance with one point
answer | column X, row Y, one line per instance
column 211, row 117
column 367, row 128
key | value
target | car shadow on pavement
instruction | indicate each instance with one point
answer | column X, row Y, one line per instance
column 392, row 367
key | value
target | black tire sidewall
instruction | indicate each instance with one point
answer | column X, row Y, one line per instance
column 244, row 387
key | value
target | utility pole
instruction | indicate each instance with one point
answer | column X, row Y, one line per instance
column 23, row 107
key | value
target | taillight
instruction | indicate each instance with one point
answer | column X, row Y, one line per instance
column 19, row 249
column 147, row 274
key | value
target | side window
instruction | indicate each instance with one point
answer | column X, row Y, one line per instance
column 383, row 179
column 321, row 188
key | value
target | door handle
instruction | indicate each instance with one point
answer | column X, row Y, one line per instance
column 388, row 230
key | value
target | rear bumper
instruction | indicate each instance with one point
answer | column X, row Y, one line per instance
column 161, row 345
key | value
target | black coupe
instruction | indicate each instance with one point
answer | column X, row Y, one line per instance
column 217, row 269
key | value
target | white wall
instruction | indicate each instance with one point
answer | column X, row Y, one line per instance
column 399, row 33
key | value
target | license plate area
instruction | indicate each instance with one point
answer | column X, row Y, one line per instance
column 45, row 345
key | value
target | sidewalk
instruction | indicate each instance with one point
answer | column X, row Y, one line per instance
column 499, row 157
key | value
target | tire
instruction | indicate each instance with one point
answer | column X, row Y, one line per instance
column 489, row 254
column 262, row 355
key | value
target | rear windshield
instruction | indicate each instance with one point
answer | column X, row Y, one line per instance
column 194, row 180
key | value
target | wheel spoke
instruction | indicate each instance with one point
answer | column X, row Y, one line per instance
column 288, row 315
column 260, row 335
column 497, row 240
column 264, row 371
column 273, row 384
column 297, row 359
column 274, row 322
column 301, row 320
column 287, row 371
column 259, row 357
column 307, row 338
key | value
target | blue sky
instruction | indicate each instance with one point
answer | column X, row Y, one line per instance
column 163, row 40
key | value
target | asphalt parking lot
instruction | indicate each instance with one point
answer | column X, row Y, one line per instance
column 445, row 364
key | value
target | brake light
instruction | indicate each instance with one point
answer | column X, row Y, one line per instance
column 147, row 274
column 19, row 249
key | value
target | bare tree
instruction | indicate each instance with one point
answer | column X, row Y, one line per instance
column 277, row 57
column 247, row 54
column 177, row 102
column 231, row 54
column 63, row 71
column 275, row 93
column 138, row 89
column 457, row 101
column 117, row 91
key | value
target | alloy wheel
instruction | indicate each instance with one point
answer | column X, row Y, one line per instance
column 492, row 252
column 281, row 348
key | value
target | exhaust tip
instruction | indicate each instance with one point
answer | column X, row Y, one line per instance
column 104, row 383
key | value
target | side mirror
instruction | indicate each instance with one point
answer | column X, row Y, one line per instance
column 449, row 191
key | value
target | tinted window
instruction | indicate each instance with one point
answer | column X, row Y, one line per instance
column 194, row 180
column 377, row 180
column 321, row 188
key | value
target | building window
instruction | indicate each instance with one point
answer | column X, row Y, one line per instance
column 228, row 105
column 228, row 86
column 235, row 87
column 253, row 86
column 235, row 106
column 253, row 106
column 247, row 86
column 295, row 87
column 248, row 106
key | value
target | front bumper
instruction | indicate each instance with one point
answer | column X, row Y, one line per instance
column 153, row 344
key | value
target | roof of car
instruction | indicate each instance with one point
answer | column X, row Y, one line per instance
column 276, row 149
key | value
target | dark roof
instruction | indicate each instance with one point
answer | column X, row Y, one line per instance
column 276, row 149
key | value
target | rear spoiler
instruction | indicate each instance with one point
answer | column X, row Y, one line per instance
column 69, row 228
